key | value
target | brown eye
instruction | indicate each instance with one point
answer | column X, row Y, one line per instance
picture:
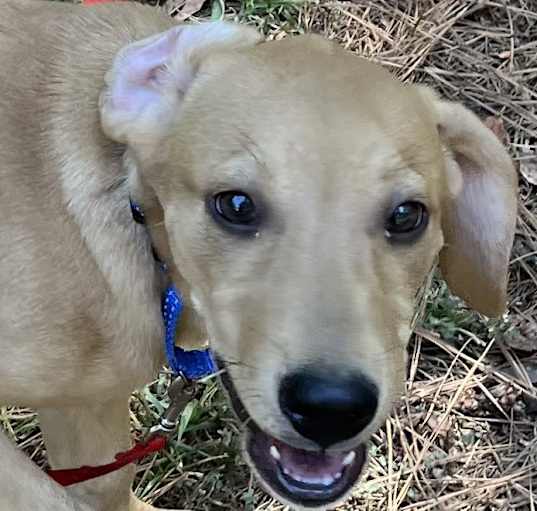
column 235, row 210
column 235, row 207
column 407, row 221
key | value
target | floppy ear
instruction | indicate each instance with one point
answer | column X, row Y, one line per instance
column 479, row 212
column 149, row 78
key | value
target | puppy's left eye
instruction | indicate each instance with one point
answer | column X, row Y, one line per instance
column 407, row 221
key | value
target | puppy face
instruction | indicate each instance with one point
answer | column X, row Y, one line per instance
column 304, row 194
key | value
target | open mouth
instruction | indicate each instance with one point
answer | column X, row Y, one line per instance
column 307, row 478
column 302, row 477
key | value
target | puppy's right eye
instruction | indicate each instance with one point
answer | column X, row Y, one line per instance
column 407, row 221
column 235, row 210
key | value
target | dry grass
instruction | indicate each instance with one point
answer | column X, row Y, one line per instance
column 465, row 436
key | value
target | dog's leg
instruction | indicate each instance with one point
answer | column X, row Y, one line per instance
column 24, row 487
column 92, row 435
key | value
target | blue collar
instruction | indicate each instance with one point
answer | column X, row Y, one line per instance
column 194, row 364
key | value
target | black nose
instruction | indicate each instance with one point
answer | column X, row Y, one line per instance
column 328, row 409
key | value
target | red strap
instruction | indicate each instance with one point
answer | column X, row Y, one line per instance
column 70, row 476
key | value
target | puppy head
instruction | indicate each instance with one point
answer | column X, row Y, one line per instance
column 305, row 196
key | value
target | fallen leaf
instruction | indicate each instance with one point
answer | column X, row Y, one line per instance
column 522, row 335
column 183, row 9
column 468, row 401
column 497, row 127
column 528, row 169
column 440, row 425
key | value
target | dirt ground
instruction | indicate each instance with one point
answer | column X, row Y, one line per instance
column 465, row 435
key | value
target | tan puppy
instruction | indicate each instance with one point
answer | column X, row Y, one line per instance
column 300, row 195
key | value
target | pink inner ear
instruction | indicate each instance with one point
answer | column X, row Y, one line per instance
column 146, row 85
column 481, row 207
column 139, row 72
column 480, row 234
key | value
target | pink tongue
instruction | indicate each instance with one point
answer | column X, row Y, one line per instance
column 311, row 465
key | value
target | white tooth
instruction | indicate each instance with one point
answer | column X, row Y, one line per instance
column 286, row 471
column 349, row 458
column 337, row 476
column 327, row 480
column 275, row 453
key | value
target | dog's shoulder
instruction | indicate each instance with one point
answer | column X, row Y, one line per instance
column 56, row 163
